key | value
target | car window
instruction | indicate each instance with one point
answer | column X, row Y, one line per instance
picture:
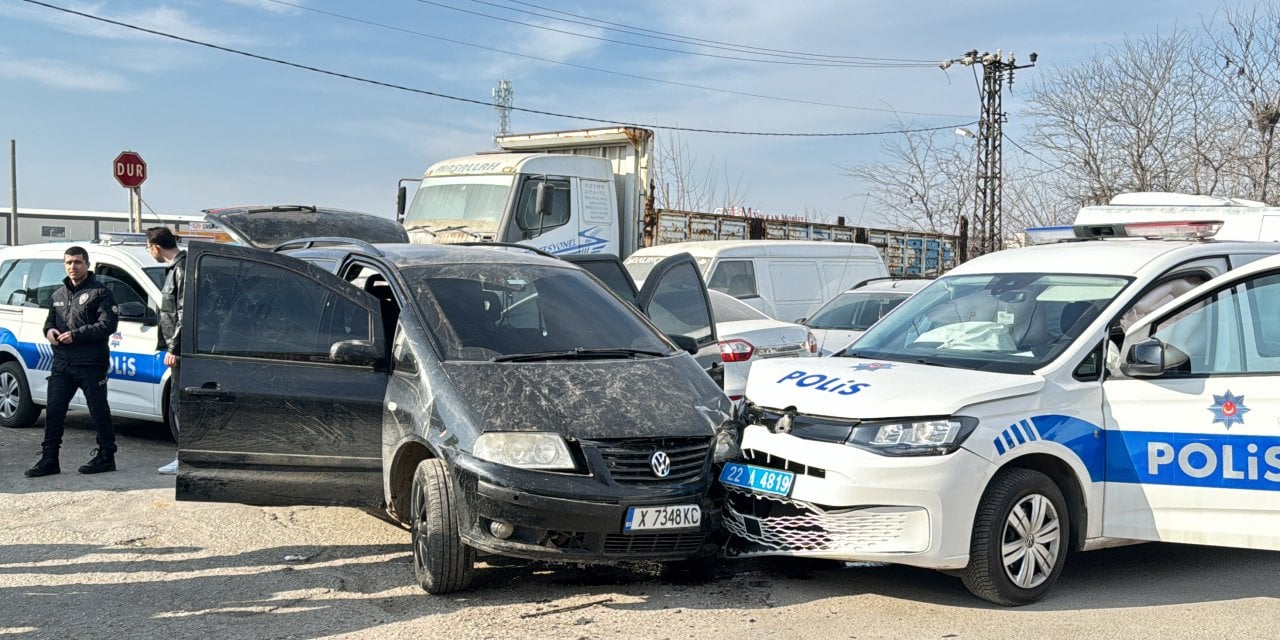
column 726, row 308
column 121, row 285
column 678, row 306
column 479, row 311
column 13, row 283
column 735, row 277
column 558, row 214
column 1228, row 331
column 46, row 277
column 855, row 310
column 261, row 310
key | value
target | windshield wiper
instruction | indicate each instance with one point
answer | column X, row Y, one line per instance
column 577, row 354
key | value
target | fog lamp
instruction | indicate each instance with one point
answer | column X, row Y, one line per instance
column 501, row 530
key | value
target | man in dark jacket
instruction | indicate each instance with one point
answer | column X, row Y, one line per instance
column 163, row 246
column 80, row 323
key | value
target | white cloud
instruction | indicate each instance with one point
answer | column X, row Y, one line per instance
column 555, row 45
column 268, row 5
column 61, row 75
column 163, row 19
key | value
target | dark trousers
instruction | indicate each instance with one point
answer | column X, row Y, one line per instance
column 63, row 383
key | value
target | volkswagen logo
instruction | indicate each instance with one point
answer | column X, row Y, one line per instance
column 660, row 462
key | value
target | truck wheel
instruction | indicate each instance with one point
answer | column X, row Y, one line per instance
column 17, row 411
column 441, row 562
column 1020, row 539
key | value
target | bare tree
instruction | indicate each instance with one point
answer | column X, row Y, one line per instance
column 926, row 181
column 683, row 183
column 1246, row 54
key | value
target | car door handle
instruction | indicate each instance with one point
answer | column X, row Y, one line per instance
column 209, row 390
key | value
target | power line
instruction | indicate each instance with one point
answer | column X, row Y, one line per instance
column 672, row 37
column 607, row 71
column 473, row 101
column 682, row 51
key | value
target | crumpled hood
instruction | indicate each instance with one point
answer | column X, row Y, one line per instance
column 869, row 389
column 661, row 397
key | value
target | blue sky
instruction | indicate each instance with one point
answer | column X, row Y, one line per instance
column 220, row 129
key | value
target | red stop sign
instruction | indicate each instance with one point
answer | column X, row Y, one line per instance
column 129, row 169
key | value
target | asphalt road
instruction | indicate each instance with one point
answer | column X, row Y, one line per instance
column 114, row 556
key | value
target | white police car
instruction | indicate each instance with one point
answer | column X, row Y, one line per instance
column 29, row 275
column 988, row 425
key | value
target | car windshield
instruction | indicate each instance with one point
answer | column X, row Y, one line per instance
column 475, row 203
column 527, row 312
column 1007, row 322
column 855, row 310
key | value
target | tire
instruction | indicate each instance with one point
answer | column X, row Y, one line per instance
column 17, row 411
column 441, row 562
column 1023, row 512
column 168, row 414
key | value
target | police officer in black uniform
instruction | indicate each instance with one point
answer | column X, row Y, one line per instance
column 80, row 323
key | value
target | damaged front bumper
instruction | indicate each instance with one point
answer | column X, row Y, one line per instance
column 577, row 518
column 853, row 505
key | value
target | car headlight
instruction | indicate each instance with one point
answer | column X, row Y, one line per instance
column 725, row 445
column 527, row 450
column 913, row 437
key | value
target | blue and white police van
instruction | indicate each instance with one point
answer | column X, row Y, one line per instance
column 29, row 274
column 1031, row 402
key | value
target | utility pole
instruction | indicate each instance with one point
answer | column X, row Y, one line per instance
column 997, row 71
column 502, row 99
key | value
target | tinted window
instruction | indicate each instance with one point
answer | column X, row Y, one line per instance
column 479, row 311
column 735, row 277
column 260, row 310
column 1215, row 334
column 121, row 285
column 679, row 306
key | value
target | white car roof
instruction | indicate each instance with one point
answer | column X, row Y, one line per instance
column 1124, row 257
column 135, row 252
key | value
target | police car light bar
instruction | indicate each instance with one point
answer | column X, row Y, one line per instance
column 1198, row 230
column 1159, row 230
column 1046, row 235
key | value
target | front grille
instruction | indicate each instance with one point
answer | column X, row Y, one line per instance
column 765, row 525
column 617, row 544
column 628, row 460
column 762, row 459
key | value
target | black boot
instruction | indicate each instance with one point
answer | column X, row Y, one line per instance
column 47, row 466
column 101, row 461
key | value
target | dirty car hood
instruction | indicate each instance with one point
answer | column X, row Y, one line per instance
column 267, row 227
column 662, row 397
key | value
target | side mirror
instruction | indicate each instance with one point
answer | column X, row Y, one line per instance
column 136, row 312
column 1145, row 359
column 684, row 342
column 541, row 199
column 356, row 352
column 402, row 195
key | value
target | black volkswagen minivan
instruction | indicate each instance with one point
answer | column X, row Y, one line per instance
column 493, row 401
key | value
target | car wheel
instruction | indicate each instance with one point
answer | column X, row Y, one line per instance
column 1020, row 539
column 441, row 562
column 16, row 408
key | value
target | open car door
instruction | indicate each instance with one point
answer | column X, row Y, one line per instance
column 281, row 382
column 675, row 298
column 610, row 270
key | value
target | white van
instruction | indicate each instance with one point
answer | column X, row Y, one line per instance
column 1018, row 408
column 785, row 279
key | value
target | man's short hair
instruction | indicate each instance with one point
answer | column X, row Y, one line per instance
column 77, row 251
column 162, row 237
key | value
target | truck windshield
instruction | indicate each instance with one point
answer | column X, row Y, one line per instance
column 475, row 203
column 521, row 312
column 1006, row 322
